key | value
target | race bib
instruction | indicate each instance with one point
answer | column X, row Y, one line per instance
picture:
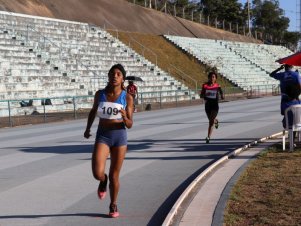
column 109, row 110
column 211, row 94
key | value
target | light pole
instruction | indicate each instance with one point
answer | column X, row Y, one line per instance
column 298, row 15
column 249, row 22
column 175, row 10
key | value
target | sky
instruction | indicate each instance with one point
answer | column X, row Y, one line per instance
column 290, row 7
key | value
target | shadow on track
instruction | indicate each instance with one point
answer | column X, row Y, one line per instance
column 97, row 215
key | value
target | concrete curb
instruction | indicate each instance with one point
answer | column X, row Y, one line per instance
column 174, row 209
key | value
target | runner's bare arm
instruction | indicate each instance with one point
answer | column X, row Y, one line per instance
column 127, row 114
column 92, row 115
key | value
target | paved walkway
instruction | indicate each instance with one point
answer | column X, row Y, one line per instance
column 208, row 205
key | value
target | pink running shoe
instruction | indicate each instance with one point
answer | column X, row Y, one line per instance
column 113, row 211
column 102, row 188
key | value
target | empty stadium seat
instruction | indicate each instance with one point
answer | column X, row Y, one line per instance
column 44, row 57
column 245, row 64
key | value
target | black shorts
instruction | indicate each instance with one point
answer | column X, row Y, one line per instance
column 211, row 106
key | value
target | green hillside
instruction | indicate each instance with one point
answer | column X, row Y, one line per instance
column 169, row 58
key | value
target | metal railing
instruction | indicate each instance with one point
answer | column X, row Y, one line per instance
column 114, row 27
column 135, row 41
column 184, row 75
column 42, row 110
column 143, row 49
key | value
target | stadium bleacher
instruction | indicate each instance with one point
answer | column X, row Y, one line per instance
column 245, row 64
column 45, row 58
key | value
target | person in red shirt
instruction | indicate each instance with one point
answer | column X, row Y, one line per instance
column 133, row 91
column 210, row 92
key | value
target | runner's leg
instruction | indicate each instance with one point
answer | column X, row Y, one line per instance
column 212, row 118
column 99, row 157
column 117, row 157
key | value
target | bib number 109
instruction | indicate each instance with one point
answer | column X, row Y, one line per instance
column 110, row 110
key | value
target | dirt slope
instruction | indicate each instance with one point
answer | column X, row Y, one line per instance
column 117, row 14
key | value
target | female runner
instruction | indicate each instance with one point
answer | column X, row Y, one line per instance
column 210, row 92
column 114, row 107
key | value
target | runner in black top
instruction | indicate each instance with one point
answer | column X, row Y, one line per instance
column 210, row 92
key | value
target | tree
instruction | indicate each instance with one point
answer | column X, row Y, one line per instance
column 179, row 7
column 269, row 19
column 229, row 11
column 291, row 39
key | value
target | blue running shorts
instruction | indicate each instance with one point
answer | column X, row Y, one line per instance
column 112, row 138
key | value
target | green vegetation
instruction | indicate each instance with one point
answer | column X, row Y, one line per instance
column 169, row 58
column 268, row 20
column 268, row 192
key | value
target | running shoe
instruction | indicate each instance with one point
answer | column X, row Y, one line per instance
column 207, row 140
column 216, row 124
column 102, row 188
column 113, row 211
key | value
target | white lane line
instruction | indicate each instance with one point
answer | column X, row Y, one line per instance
column 9, row 161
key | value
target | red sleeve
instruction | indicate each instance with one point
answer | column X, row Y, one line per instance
column 202, row 95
